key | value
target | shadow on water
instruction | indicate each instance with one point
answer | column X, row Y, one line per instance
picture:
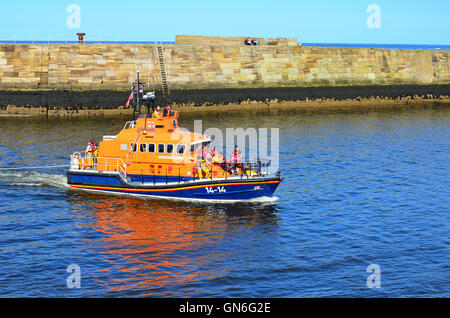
column 159, row 247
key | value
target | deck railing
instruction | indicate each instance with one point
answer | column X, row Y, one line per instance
column 201, row 171
column 85, row 161
column 247, row 169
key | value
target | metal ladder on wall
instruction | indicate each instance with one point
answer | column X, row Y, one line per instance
column 162, row 67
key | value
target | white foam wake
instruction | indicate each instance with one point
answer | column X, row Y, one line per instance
column 32, row 179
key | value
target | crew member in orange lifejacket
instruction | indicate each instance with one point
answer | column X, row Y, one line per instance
column 201, row 167
column 215, row 157
column 157, row 112
column 91, row 153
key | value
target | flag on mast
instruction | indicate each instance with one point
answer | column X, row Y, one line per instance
column 129, row 100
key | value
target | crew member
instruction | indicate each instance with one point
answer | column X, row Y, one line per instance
column 75, row 162
column 166, row 111
column 236, row 160
column 157, row 112
column 91, row 153
column 201, row 167
column 210, row 155
column 225, row 165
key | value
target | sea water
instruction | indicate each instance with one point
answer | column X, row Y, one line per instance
column 363, row 189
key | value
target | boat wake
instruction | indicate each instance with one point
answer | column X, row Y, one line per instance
column 32, row 179
column 264, row 199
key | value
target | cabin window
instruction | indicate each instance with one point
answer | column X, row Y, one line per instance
column 180, row 149
column 194, row 148
column 151, row 148
column 161, row 148
column 133, row 147
column 169, row 148
column 143, row 147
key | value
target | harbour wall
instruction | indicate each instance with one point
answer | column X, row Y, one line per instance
column 113, row 66
column 215, row 71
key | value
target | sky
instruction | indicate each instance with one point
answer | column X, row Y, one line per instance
column 313, row 21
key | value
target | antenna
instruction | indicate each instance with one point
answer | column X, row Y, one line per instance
column 136, row 90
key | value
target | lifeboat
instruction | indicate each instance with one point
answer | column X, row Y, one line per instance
column 153, row 157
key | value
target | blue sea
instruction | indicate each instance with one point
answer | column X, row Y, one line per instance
column 364, row 211
column 384, row 46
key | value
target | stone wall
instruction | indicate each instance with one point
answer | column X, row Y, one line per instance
column 113, row 66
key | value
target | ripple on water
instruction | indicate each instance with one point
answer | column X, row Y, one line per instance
column 360, row 188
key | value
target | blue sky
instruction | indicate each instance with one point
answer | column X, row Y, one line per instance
column 318, row 21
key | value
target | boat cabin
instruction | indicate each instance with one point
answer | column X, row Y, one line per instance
column 154, row 148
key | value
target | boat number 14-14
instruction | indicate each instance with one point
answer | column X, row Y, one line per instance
column 215, row 189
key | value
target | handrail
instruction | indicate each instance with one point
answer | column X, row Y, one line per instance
column 81, row 161
column 247, row 169
column 129, row 124
column 134, row 144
